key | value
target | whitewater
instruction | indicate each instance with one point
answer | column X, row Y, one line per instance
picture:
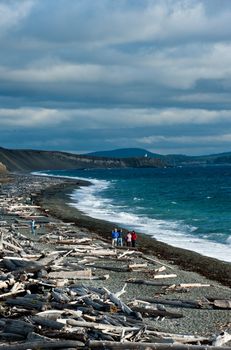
column 187, row 208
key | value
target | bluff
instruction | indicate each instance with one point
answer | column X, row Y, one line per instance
column 32, row 160
column 3, row 169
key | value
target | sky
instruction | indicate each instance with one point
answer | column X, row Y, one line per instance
column 82, row 75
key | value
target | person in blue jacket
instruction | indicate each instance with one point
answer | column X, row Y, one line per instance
column 120, row 238
column 114, row 236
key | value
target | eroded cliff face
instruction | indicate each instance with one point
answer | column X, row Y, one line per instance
column 32, row 160
column 3, row 169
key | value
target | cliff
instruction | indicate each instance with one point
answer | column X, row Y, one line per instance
column 3, row 169
column 32, row 160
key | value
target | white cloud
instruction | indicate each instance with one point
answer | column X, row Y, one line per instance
column 110, row 118
column 186, row 140
column 12, row 12
column 163, row 69
column 30, row 117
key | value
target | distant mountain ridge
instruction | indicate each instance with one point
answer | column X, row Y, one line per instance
column 170, row 159
column 34, row 160
column 125, row 153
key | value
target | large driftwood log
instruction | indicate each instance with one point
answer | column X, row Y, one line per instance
column 177, row 303
column 188, row 285
column 10, row 337
column 179, row 338
column 171, row 275
column 222, row 304
column 28, row 303
column 42, row 321
column 155, row 261
column 42, row 344
column 221, row 339
column 137, row 267
column 18, row 327
column 110, row 268
column 107, row 345
column 150, row 312
column 79, row 274
column 102, row 326
column 19, row 264
column 148, row 282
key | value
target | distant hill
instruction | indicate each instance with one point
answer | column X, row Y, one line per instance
column 170, row 159
column 125, row 153
column 32, row 160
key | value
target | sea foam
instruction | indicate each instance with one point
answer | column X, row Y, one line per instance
column 90, row 201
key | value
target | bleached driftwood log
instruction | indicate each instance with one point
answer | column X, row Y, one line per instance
column 221, row 339
column 42, row 344
column 102, row 326
column 126, row 309
column 177, row 303
column 100, row 345
column 151, row 312
column 79, row 274
column 151, row 283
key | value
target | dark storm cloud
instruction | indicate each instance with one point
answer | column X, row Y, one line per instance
column 84, row 75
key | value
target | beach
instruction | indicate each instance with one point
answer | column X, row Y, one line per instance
column 52, row 195
column 57, row 200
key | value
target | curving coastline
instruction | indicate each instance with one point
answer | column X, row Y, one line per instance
column 56, row 200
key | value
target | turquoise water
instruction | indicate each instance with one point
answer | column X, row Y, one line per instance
column 187, row 207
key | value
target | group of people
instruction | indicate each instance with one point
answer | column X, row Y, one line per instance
column 118, row 239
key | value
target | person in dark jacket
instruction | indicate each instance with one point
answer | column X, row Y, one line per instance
column 134, row 238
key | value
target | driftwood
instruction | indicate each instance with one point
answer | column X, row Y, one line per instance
column 222, row 304
column 177, row 303
column 47, row 323
column 102, row 326
column 151, row 312
column 137, row 267
column 18, row 327
column 110, row 268
column 151, row 283
column 126, row 309
column 20, row 265
column 178, row 338
column 54, row 309
column 155, row 261
column 188, row 285
column 171, row 275
column 221, row 339
column 100, row 345
column 42, row 344
column 28, row 303
column 79, row 274
column 16, row 289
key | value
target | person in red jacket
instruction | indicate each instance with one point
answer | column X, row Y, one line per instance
column 134, row 238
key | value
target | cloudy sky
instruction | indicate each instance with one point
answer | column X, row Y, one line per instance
column 84, row 75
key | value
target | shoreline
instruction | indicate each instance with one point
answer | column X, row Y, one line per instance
column 58, row 236
column 55, row 199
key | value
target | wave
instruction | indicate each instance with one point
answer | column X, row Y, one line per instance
column 90, row 201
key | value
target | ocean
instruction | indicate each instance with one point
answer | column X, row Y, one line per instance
column 187, row 207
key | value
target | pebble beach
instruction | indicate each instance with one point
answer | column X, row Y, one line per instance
column 183, row 267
